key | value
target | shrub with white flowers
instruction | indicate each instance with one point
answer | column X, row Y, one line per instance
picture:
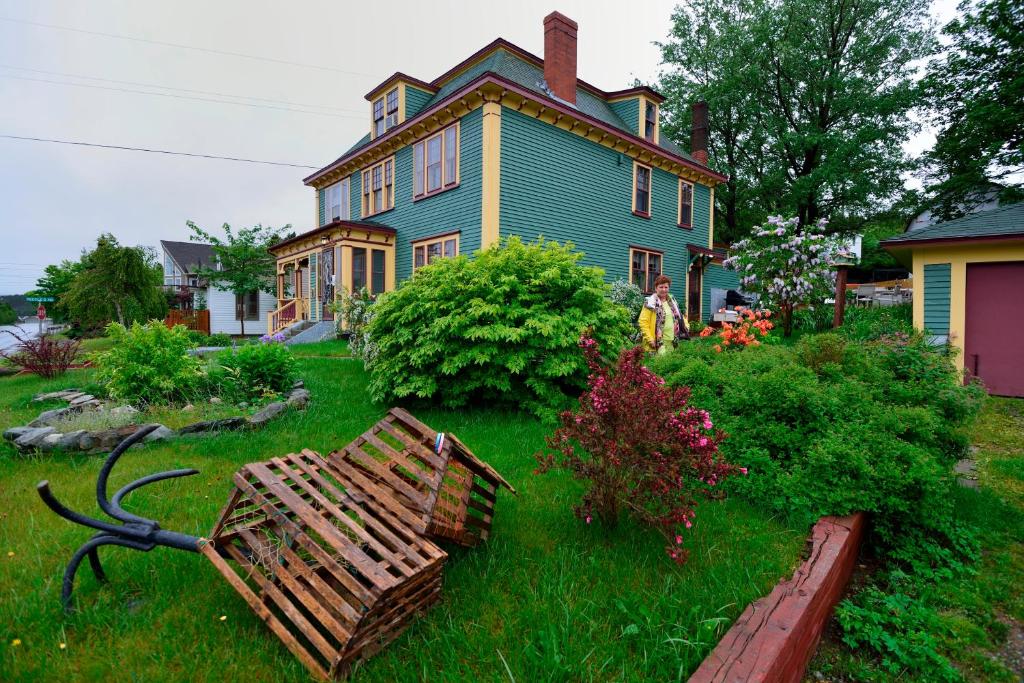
column 787, row 264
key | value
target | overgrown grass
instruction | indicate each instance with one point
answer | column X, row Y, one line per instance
column 547, row 598
column 976, row 611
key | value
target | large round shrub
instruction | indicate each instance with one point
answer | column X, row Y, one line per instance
column 149, row 364
column 503, row 327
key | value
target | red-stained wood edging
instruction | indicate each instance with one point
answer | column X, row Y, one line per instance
column 776, row 636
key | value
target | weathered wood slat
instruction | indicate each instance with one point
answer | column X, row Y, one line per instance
column 263, row 612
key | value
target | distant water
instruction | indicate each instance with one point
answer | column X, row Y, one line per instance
column 26, row 330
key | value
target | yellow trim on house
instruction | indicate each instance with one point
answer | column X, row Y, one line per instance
column 642, row 124
column 383, row 95
column 679, row 202
column 650, row 187
column 490, row 203
column 444, row 152
column 958, row 256
column 366, row 198
column 435, row 240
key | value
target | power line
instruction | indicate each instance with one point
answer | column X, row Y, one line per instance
column 180, row 97
column 186, row 47
column 155, row 151
column 169, row 87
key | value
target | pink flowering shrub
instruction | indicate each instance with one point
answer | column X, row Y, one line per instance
column 641, row 446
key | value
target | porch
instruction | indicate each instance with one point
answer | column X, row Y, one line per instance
column 312, row 268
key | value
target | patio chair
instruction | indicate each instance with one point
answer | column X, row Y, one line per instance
column 866, row 294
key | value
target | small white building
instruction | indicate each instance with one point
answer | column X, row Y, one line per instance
column 182, row 263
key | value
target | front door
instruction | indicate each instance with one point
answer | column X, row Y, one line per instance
column 326, row 283
column 994, row 322
column 693, row 291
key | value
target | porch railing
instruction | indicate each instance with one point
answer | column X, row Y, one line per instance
column 284, row 316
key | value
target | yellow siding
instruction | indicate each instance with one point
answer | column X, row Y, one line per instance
column 491, row 192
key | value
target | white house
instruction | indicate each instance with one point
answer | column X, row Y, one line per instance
column 182, row 262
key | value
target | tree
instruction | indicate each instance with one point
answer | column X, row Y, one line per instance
column 976, row 92
column 787, row 264
column 7, row 314
column 55, row 283
column 244, row 263
column 812, row 99
column 115, row 283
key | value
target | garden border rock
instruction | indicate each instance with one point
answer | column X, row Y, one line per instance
column 40, row 435
column 776, row 636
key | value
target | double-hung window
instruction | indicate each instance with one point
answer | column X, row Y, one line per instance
column 247, row 306
column 369, row 269
column 650, row 121
column 685, row 204
column 641, row 190
column 428, row 250
column 336, row 201
column 385, row 113
column 379, row 187
column 644, row 267
column 436, row 162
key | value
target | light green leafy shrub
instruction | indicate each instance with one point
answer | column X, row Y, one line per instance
column 149, row 364
column 256, row 369
column 501, row 327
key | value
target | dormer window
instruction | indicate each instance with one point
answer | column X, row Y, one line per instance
column 385, row 113
column 650, row 121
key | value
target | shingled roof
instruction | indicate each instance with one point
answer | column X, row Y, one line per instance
column 504, row 62
column 189, row 255
column 1006, row 222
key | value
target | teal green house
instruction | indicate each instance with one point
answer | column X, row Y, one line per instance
column 506, row 143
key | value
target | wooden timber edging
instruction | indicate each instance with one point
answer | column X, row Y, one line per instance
column 776, row 636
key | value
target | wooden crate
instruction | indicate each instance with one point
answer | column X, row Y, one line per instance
column 407, row 467
column 335, row 575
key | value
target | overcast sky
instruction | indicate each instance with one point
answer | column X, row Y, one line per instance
column 318, row 60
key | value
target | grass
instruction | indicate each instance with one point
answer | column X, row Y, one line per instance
column 975, row 611
column 547, row 598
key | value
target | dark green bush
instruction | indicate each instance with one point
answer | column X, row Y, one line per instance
column 219, row 339
column 502, row 327
column 866, row 323
column 256, row 369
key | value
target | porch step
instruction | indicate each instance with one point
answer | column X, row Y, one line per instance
column 316, row 332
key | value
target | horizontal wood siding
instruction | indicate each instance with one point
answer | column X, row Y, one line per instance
column 716, row 277
column 936, row 298
column 321, row 209
column 222, row 313
column 629, row 112
column 415, row 100
column 566, row 188
column 453, row 210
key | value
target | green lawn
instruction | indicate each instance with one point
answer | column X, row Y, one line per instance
column 547, row 598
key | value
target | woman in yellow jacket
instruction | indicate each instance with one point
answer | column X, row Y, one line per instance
column 661, row 322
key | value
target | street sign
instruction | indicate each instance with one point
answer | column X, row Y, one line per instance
column 41, row 312
column 40, row 299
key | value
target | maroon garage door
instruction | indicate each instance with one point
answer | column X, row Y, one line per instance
column 994, row 338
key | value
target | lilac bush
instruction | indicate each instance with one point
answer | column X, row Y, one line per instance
column 787, row 264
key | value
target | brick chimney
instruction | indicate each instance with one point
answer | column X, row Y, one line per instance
column 560, row 56
column 699, row 133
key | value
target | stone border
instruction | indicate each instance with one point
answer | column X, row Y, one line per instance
column 39, row 435
column 776, row 636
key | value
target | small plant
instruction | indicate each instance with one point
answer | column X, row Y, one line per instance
column 43, row 355
column 629, row 296
column 257, row 370
column 641, row 447
column 219, row 339
column 150, row 364
column 744, row 332
column 276, row 338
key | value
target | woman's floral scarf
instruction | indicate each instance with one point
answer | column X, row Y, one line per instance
column 654, row 303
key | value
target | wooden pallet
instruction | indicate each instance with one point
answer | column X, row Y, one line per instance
column 446, row 494
column 333, row 573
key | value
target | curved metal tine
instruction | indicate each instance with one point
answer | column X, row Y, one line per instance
column 108, row 465
column 138, row 483
column 43, row 488
column 90, row 546
column 94, row 560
